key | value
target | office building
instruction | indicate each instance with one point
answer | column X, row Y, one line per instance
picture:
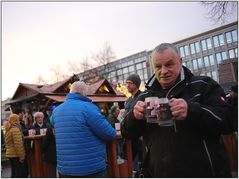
column 212, row 53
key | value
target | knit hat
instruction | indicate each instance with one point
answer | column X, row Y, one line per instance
column 13, row 118
column 135, row 79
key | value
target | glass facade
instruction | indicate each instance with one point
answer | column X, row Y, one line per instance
column 210, row 51
column 202, row 54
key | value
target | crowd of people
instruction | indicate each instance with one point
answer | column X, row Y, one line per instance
column 76, row 136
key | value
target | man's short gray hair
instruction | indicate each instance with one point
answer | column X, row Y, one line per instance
column 164, row 46
column 79, row 87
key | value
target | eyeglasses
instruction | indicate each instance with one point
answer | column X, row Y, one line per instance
column 129, row 83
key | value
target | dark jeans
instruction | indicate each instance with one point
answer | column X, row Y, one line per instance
column 18, row 169
column 101, row 174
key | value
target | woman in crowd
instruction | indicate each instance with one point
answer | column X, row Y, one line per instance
column 39, row 122
column 15, row 146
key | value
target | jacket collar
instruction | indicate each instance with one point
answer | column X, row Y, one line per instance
column 77, row 97
column 153, row 85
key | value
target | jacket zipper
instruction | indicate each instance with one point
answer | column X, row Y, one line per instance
column 209, row 157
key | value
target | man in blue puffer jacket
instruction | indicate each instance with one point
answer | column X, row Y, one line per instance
column 81, row 131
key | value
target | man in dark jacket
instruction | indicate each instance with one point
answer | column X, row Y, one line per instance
column 112, row 118
column 133, row 82
column 192, row 146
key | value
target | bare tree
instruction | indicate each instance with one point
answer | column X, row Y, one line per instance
column 74, row 67
column 85, row 65
column 102, row 58
column 105, row 55
column 41, row 80
column 220, row 10
column 58, row 74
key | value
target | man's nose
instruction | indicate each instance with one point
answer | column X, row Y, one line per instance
column 164, row 70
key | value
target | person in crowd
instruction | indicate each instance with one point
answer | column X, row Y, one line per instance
column 113, row 120
column 192, row 146
column 39, row 122
column 233, row 100
column 49, row 151
column 133, row 82
column 113, row 116
column 230, row 140
column 28, row 118
column 81, row 134
column 20, row 112
column 15, row 146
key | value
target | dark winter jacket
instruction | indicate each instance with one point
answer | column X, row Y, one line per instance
column 49, row 146
column 23, row 128
column 38, row 128
column 192, row 147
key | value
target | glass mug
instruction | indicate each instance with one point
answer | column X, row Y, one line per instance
column 164, row 114
column 151, row 107
column 31, row 132
column 43, row 131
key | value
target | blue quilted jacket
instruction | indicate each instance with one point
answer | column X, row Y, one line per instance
column 81, row 132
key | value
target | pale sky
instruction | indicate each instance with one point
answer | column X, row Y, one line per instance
column 36, row 36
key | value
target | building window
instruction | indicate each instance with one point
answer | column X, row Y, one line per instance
column 204, row 45
column 234, row 35
column 236, row 52
column 215, row 41
column 209, row 43
column 192, row 48
column 231, row 53
column 124, row 64
column 119, row 72
column 195, row 65
column 206, row 61
column 214, row 75
column 112, row 74
column 182, row 52
column 138, row 66
column 188, row 65
column 219, row 58
column 130, row 62
column 186, row 50
column 140, row 73
column 224, row 55
column 125, row 70
column 131, row 68
column 211, row 60
column 200, row 63
column 221, row 40
column 197, row 47
column 228, row 37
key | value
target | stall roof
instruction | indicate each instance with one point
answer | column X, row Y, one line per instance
column 95, row 99
column 101, row 91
